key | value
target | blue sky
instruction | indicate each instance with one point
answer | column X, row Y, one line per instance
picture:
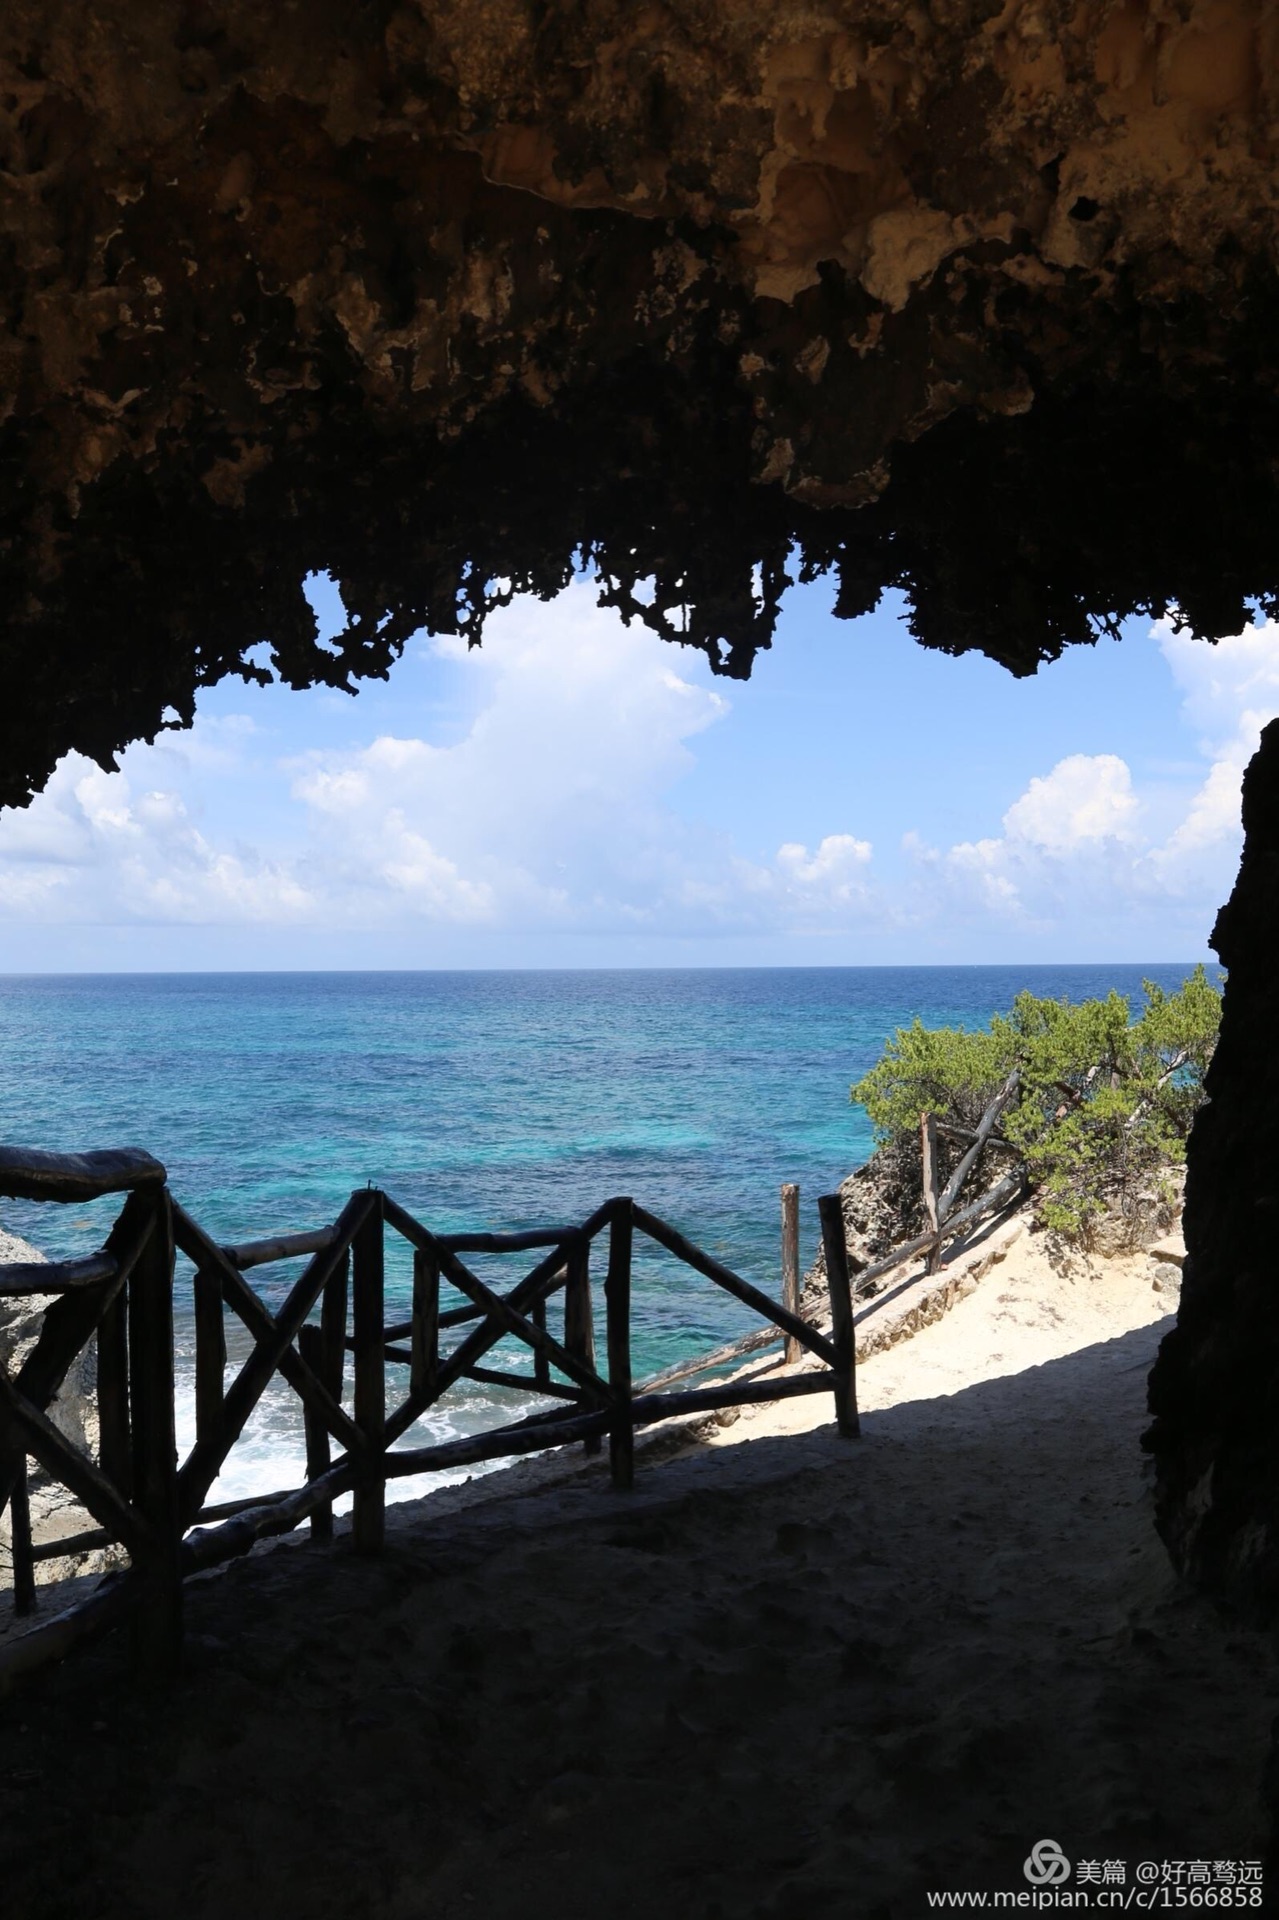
column 581, row 794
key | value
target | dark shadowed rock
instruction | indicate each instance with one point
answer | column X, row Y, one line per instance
column 1215, row 1389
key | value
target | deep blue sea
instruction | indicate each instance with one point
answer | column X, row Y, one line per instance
column 499, row 1099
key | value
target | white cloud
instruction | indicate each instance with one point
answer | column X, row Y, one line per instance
column 1075, row 825
column 1078, row 842
column 1230, row 687
column 831, row 883
column 552, row 811
column 826, row 890
column 555, row 811
column 551, row 808
column 91, row 851
column 1230, row 692
column 835, row 864
column 1085, row 800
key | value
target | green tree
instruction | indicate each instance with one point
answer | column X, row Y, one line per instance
column 1103, row 1105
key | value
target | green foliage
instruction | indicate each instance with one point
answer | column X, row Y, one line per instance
column 1103, row 1103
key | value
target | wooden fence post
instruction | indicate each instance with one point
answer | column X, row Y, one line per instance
column 617, row 1298
column 928, row 1168
column 790, row 1266
column 311, row 1349
column 541, row 1366
column 157, row 1618
column 579, row 1324
column 368, row 1334
column 324, row 1350
column 210, row 1357
column 426, row 1324
column 113, row 1394
column 333, row 1314
column 831, row 1212
column 24, row 1566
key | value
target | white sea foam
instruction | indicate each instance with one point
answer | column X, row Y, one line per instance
column 270, row 1455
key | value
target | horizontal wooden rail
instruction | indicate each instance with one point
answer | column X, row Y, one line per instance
column 723, row 1276
column 717, row 1357
column 56, row 1276
column 264, row 1519
column 27, row 1173
column 507, row 1242
column 72, row 1543
column 493, row 1377
column 284, row 1246
column 96, row 1537
column 648, row 1407
column 210, row 1547
column 451, row 1317
column 99, row 1537
column 53, row 1639
column 646, row 1410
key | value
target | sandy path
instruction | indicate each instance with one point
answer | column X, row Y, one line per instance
column 789, row 1676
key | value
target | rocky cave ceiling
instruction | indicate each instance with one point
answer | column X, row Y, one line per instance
column 976, row 300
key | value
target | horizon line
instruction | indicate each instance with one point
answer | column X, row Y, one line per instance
column 295, row 973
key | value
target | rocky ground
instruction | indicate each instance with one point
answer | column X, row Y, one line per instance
column 788, row 1676
column 882, row 1204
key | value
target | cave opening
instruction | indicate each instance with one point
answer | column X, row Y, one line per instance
column 973, row 305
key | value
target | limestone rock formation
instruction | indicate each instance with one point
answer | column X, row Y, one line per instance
column 882, row 1206
column 1215, row 1389
column 976, row 299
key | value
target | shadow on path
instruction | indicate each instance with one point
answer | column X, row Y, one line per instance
column 793, row 1678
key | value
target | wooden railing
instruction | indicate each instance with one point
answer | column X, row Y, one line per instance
column 154, row 1507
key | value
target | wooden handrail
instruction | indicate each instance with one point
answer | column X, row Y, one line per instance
column 692, row 1256
column 28, row 1173
column 161, row 1514
column 284, row 1246
column 20, row 1277
column 507, row 1242
column 451, row 1317
column 717, row 1357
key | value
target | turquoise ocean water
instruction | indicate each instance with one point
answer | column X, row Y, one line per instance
column 498, row 1099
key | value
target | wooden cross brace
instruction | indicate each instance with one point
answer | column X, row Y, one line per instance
column 274, row 1350
column 504, row 1313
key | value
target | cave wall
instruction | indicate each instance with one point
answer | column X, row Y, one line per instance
column 1215, row 1388
column 976, row 300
